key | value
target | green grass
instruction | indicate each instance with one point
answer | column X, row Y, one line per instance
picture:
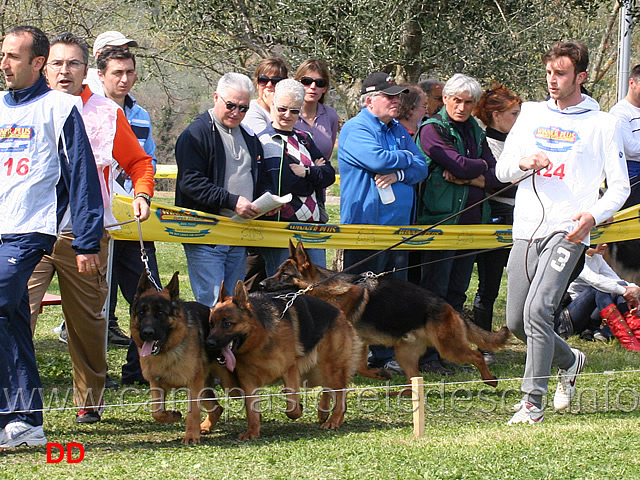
column 466, row 433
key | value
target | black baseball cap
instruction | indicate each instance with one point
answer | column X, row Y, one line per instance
column 381, row 82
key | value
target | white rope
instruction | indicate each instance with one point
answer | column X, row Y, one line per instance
column 387, row 387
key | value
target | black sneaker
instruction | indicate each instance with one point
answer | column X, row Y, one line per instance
column 117, row 336
column 87, row 416
column 109, row 383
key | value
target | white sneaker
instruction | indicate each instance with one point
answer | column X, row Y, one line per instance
column 21, row 433
column 566, row 389
column 528, row 413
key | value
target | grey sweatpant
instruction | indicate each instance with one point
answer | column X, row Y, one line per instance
column 533, row 294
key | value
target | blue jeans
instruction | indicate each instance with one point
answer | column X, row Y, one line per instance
column 19, row 378
column 209, row 265
column 585, row 309
column 274, row 257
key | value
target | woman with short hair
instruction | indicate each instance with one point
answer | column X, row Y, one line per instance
column 294, row 165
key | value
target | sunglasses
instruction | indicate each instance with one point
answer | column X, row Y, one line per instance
column 232, row 106
column 307, row 81
column 264, row 80
column 294, row 111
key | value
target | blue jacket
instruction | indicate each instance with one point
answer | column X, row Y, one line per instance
column 140, row 122
column 367, row 147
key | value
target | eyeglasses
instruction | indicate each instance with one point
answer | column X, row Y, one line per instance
column 72, row 64
column 232, row 106
column 437, row 99
column 293, row 111
column 264, row 80
column 307, row 81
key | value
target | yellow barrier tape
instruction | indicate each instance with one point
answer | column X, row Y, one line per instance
column 174, row 224
column 166, row 171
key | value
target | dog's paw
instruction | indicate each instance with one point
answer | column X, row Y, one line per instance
column 296, row 412
column 332, row 424
column 322, row 416
column 191, row 439
column 249, row 435
column 168, row 416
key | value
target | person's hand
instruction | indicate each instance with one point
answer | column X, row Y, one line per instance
column 140, row 208
column 320, row 162
column 245, row 208
column 386, row 180
column 87, row 263
column 585, row 223
column 298, row 169
column 631, row 296
column 534, row 162
column 476, row 182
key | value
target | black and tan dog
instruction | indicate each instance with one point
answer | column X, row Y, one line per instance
column 391, row 312
column 311, row 342
column 170, row 336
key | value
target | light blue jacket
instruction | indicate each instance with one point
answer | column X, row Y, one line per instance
column 140, row 122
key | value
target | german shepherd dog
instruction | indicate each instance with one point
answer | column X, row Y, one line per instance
column 312, row 341
column 170, row 336
column 392, row 312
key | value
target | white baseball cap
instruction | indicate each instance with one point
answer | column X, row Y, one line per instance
column 114, row 38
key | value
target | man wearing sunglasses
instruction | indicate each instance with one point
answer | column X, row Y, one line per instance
column 220, row 171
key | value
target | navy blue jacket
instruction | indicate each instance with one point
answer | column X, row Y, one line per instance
column 200, row 156
column 79, row 187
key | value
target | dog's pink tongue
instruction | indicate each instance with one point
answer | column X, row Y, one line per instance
column 230, row 358
column 145, row 351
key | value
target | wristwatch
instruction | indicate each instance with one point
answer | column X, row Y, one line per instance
column 307, row 170
column 146, row 197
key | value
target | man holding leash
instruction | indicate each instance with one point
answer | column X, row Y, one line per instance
column 572, row 147
column 48, row 170
column 114, row 145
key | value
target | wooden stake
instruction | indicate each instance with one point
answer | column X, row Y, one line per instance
column 417, row 397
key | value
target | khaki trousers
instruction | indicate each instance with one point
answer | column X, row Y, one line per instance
column 83, row 297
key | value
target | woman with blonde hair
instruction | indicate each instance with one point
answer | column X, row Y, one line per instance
column 316, row 118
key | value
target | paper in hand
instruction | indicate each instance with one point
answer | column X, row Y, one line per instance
column 266, row 202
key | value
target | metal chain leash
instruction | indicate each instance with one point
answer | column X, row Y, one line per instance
column 144, row 257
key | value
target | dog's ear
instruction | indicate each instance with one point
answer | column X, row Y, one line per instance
column 292, row 249
column 241, row 296
column 174, row 286
column 143, row 285
column 302, row 258
column 223, row 293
